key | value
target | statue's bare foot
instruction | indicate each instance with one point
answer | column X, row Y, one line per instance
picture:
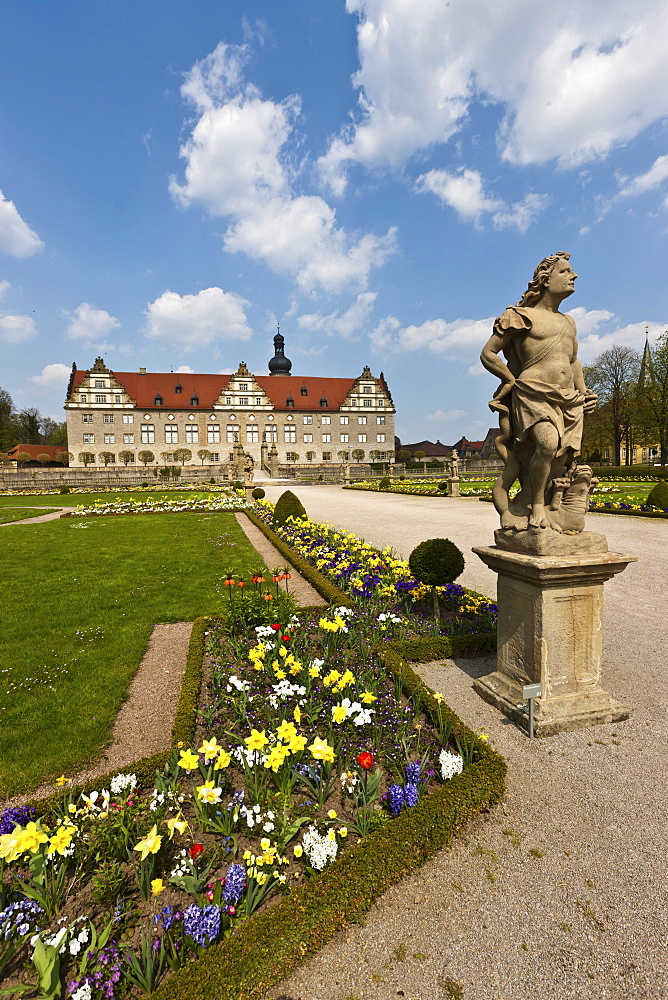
column 538, row 518
column 508, row 520
column 554, row 524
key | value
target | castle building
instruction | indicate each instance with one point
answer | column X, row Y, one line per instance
column 124, row 418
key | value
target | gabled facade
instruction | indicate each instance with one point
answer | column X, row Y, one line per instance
column 308, row 420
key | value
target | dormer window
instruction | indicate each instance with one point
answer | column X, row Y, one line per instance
column 323, row 401
column 289, row 401
column 194, row 400
column 304, row 391
column 178, row 388
column 158, row 400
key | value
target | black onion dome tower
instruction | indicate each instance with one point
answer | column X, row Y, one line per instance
column 279, row 364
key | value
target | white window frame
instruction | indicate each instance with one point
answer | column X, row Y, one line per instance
column 148, row 433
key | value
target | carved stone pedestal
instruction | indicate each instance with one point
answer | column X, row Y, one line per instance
column 549, row 631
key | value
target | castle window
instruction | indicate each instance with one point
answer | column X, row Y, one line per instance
column 87, row 418
column 304, row 391
column 252, row 433
column 158, row 400
column 327, row 456
column 83, row 398
column 108, row 418
column 178, row 388
column 171, row 434
column 323, row 401
column 117, row 399
column 289, row 401
column 326, row 420
column 128, row 418
column 243, row 400
column 243, row 387
column 228, row 401
column 258, row 400
column 100, row 399
column 345, row 420
column 148, row 433
column 194, row 400
column 213, row 434
column 192, row 434
column 99, row 384
column 290, row 434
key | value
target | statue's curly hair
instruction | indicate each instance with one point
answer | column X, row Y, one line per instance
column 540, row 277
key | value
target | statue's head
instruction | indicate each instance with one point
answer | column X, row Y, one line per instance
column 541, row 276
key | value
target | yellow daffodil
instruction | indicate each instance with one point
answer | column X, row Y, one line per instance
column 210, row 749
column 331, row 835
column 150, row 844
column 188, row 760
column 30, row 838
column 157, row 886
column 176, row 824
column 60, row 841
column 438, row 697
column 256, row 740
column 222, row 761
column 297, row 743
column 339, row 713
column 286, row 730
column 209, row 793
column 9, row 847
column 321, row 750
column 367, row 697
column 297, row 714
column 295, row 667
column 62, row 780
column 280, row 675
column 331, row 678
column 276, row 757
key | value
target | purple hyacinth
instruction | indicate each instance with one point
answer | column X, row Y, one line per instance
column 235, row 883
column 202, row 923
column 411, row 794
column 18, row 919
column 16, row 816
column 395, row 796
column 413, row 772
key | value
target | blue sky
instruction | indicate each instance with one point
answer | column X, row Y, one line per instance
column 380, row 176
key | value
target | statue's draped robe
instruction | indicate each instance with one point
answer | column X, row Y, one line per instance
column 533, row 400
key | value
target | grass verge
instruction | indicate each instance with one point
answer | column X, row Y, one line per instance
column 79, row 603
column 7, row 514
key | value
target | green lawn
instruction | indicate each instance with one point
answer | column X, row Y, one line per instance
column 85, row 499
column 7, row 514
column 80, row 598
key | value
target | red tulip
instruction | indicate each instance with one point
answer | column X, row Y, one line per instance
column 196, row 851
column 276, row 628
column 365, row 760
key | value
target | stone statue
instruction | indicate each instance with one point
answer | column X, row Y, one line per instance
column 541, row 404
column 454, row 464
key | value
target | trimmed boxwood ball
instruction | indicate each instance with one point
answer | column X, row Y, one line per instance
column 288, row 505
column 442, row 487
column 436, row 562
column 384, row 483
column 658, row 497
column 258, row 493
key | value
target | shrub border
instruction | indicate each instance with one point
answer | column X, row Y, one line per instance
column 266, row 950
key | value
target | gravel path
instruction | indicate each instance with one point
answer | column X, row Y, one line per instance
column 560, row 892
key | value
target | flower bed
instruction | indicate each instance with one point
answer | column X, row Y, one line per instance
column 312, row 777
column 150, row 506
column 423, row 489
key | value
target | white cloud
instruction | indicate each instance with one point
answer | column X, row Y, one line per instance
column 17, row 329
column 16, row 236
column 238, row 165
column 444, row 416
column 630, row 335
column 588, row 320
column 460, row 338
column 4, row 288
column 651, row 179
column 571, row 84
column 88, row 323
column 464, row 191
column 55, row 376
column 346, row 324
column 185, row 368
column 194, row 322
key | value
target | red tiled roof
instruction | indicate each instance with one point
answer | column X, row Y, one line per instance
column 143, row 389
column 36, row 449
column 429, row 448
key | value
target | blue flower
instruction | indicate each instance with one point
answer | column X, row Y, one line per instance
column 235, row 883
column 202, row 923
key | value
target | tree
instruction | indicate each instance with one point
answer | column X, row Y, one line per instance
column 146, row 457
column 358, row 454
column 87, row 457
column 52, row 432
column 43, row 458
column 404, row 455
column 8, row 430
column 182, row 455
column 204, row 455
column 22, row 457
column 652, row 397
column 310, row 455
column 107, row 457
column 64, row 457
column 28, row 426
column 343, row 455
column 613, row 376
column 126, row 457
